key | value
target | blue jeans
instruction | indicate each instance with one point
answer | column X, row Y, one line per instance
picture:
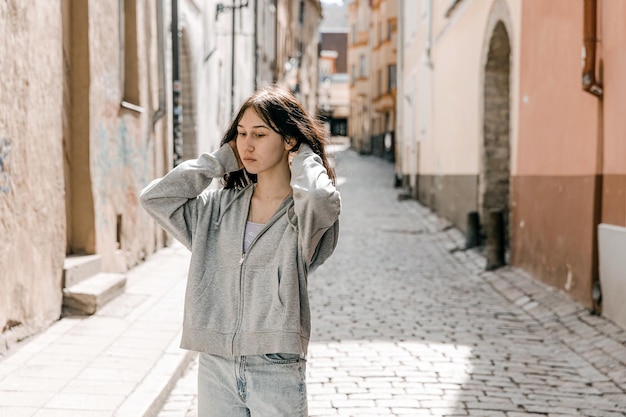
column 270, row 385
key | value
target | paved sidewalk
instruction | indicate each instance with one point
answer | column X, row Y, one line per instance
column 120, row 362
column 406, row 323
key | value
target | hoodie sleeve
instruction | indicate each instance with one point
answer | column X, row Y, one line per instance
column 317, row 202
column 172, row 200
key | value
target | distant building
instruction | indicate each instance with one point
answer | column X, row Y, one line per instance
column 334, row 87
column 372, row 50
column 297, row 48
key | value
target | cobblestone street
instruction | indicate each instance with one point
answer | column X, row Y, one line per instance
column 406, row 323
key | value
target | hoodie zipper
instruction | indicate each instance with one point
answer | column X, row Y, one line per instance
column 269, row 223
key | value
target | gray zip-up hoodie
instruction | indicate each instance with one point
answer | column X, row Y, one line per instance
column 256, row 303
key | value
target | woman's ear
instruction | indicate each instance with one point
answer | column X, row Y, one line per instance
column 290, row 143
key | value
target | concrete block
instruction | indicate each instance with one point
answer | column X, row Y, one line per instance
column 612, row 247
column 93, row 293
column 77, row 268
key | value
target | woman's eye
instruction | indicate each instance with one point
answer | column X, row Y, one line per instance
column 241, row 134
column 260, row 135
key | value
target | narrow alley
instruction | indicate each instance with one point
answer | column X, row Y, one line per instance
column 406, row 323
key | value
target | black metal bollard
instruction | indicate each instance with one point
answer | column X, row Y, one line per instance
column 472, row 234
column 494, row 247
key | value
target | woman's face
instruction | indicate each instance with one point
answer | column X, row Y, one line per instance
column 260, row 148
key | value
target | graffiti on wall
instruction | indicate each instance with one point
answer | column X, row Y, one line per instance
column 120, row 169
column 5, row 165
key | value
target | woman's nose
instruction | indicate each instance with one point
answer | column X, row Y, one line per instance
column 247, row 144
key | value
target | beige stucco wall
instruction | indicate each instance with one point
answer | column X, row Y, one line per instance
column 121, row 139
column 125, row 150
column 414, row 92
column 459, row 55
column 442, row 89
column 32, row 211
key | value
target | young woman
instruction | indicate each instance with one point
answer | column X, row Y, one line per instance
column 253, row 244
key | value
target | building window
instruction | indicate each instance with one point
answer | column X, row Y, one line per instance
column 301, row 12
column 353, row 34
column 390, row 28
column 392, row 77
column 379, row 81
column 362, row 72
column 353, row 78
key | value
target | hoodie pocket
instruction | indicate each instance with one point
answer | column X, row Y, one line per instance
column 263, row 309
column 212, row 303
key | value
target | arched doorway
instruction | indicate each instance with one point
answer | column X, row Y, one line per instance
column 495, row 173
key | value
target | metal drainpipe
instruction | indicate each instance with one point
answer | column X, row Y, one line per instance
column 400, row 145
column 592, row 86
column 590, row 83
column 429, row 34
column 176, row 90
column 232, row 63
column 276, row 70
column 160, row 112
column 256, row 47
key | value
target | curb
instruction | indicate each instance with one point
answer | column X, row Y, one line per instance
column 148, row 398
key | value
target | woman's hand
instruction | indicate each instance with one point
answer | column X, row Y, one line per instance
column 233, row 145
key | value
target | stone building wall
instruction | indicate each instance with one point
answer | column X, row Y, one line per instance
column 32, row 210
column 84, row 126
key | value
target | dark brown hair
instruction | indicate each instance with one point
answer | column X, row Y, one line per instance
column 284, row 114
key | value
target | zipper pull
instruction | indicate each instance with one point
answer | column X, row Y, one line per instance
column 242, row 259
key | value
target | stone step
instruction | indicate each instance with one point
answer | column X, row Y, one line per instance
column 77, row 268
column 89, row 295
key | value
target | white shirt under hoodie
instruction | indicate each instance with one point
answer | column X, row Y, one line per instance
column 253, row 303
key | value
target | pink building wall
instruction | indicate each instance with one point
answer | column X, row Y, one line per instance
column 613, row 37
column 571, row 161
